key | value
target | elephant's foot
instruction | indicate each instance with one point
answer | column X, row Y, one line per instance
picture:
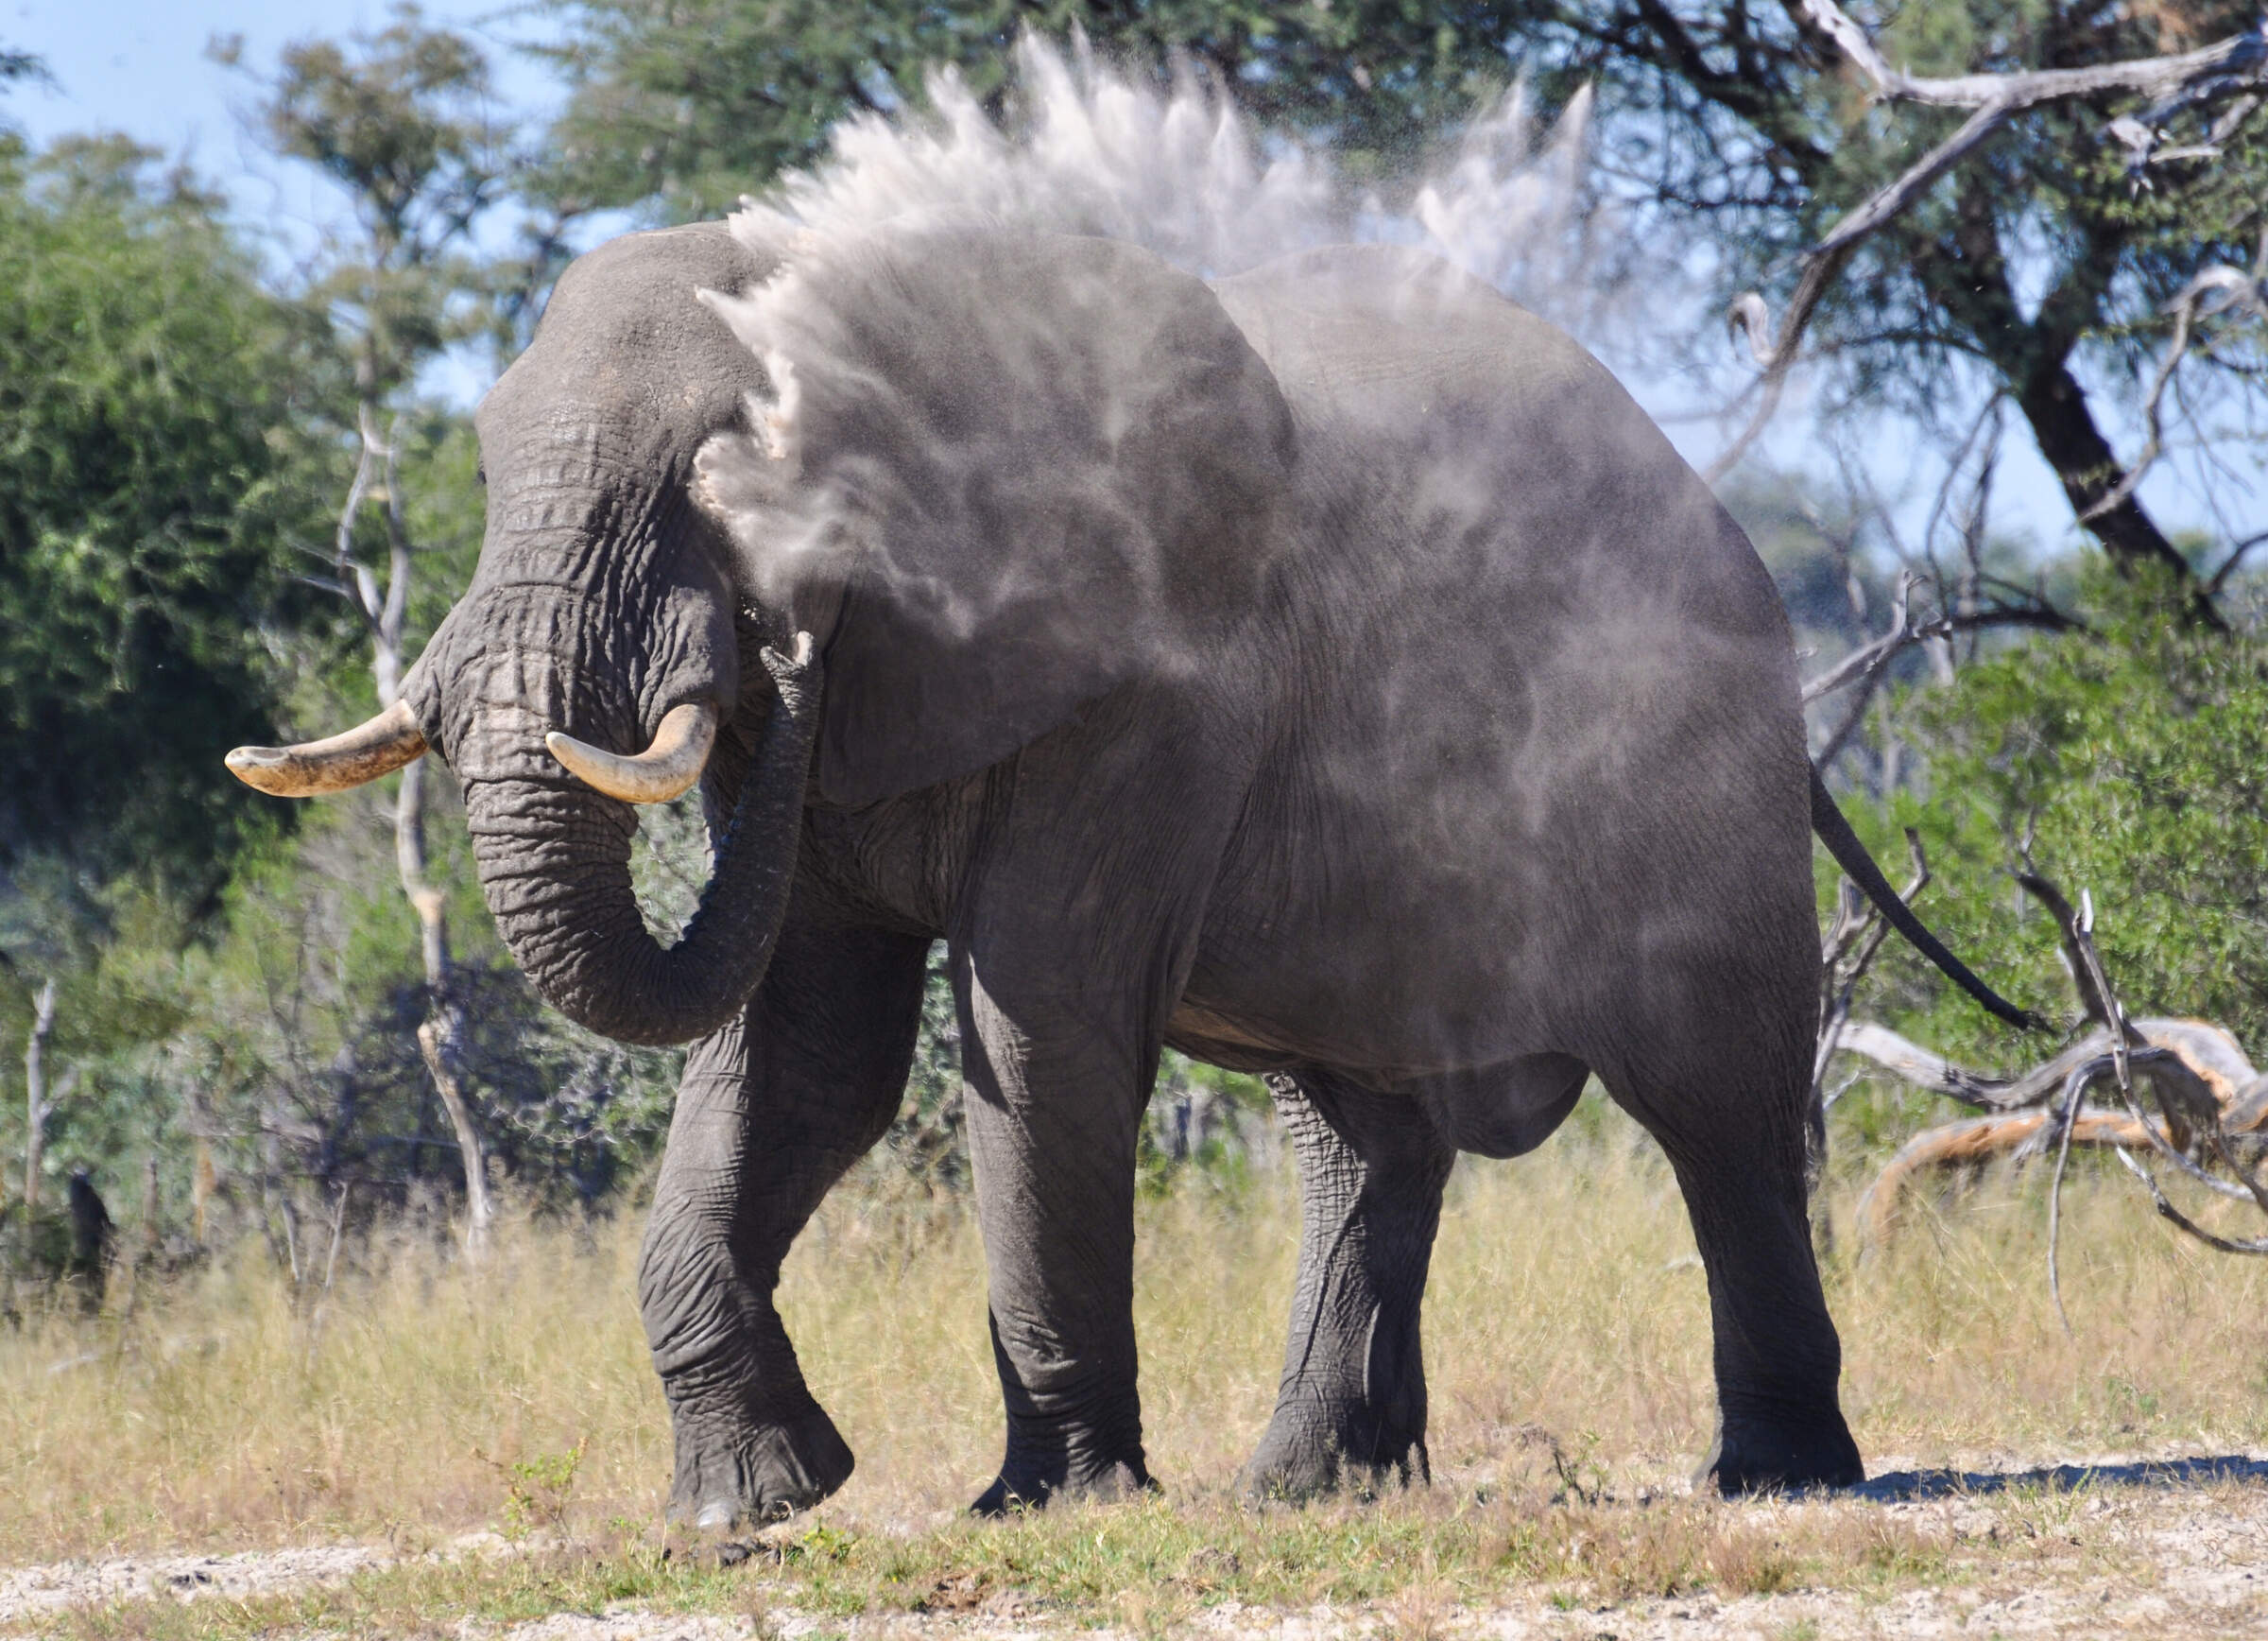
column 758, row 1472
column 1310, row 1451
column 1047, row 1462
column 1108, row 1485
column 1754, row 1454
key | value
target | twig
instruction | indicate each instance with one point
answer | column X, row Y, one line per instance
column 2228, row 565
column 1904, row 635
column 2258, row 1245
column 2066, row 1114
column 2236, row 289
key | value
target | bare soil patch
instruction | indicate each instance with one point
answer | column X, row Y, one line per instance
column 2161, row 1547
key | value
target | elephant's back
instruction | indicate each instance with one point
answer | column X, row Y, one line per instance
column 1543, row 731
column 1445, row 425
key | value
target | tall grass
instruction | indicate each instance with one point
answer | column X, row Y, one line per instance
column 423, row 1397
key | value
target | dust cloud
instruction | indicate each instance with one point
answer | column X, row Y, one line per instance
column 1086, row 149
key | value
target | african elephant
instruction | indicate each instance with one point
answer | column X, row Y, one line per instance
column 1329, row 671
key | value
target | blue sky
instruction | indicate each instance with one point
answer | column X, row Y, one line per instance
column 138, row 66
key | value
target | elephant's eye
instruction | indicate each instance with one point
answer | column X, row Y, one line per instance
column 480, row 473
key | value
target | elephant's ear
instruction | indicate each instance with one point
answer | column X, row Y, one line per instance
column 1001, row 472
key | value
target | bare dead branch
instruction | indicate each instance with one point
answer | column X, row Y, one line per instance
column 2206, row 1091
column 2166, row 1210
column 2214, row 290
column 1971, row 1143
column 2223, row 66
column 37, row 1106
column 346, row 568
column 2067, row 1111
column 2228, row 69
column 2231, row 564
column 2039, row 616
column 1915, row 1064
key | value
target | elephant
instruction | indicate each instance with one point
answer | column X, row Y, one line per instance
column 1328, row 670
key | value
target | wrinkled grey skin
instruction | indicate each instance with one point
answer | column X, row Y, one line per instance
column 1483, row 769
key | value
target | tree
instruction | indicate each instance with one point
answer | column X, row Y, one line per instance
column 2129, row 760
column 681, row 106
column 154, row 479
column 402, row 122
column 2046, row 268
column 2042, row 257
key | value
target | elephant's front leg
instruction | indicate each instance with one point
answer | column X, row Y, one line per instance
column 1055, row 1099
column 1350, row 1407
column 772, row 1110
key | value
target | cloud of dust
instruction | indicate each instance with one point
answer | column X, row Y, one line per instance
column 1086, row 149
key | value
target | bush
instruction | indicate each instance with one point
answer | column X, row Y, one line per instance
column 2129, row 761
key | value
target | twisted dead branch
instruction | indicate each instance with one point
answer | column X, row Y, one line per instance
column 2215, row 290
column 2210, row 1125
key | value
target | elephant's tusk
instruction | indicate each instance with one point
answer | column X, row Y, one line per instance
column 363, row 754
column 664, row 770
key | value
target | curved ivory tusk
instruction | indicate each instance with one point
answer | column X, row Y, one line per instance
column 664, row 770
column 365, row 752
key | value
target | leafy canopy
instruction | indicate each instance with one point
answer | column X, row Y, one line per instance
column 2130, row 761
column 681, row 106
column 160, row 458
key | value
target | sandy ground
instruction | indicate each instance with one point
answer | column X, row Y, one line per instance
column 2153, row 1549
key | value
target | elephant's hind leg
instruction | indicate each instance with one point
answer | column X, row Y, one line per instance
column 1730, row 1115
column 772, row 1110
column 1350, row 1407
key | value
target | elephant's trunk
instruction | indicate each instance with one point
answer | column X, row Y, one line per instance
column 555, row 864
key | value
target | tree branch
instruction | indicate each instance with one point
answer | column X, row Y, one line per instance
column 2225, row 69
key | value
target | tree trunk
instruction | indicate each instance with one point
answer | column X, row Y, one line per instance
column 440, row 1036
column 2088, row 470
column 36, row 1110
column 2033, row 358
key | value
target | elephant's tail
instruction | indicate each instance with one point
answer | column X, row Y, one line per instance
column 1850, row 854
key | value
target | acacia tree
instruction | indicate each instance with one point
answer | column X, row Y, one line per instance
column 401, row 121
column 2003, row 192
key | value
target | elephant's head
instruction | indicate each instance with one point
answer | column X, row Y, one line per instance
column 995, row 473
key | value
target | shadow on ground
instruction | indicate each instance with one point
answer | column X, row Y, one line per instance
column 1911, row 1484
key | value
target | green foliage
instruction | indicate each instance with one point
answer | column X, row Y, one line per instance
column 539, row 1492
column 2130, row 762
column 684, row 107
column 280, row 1033
column 161, row 455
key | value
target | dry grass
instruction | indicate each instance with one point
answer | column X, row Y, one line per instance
column 1565, row 1315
